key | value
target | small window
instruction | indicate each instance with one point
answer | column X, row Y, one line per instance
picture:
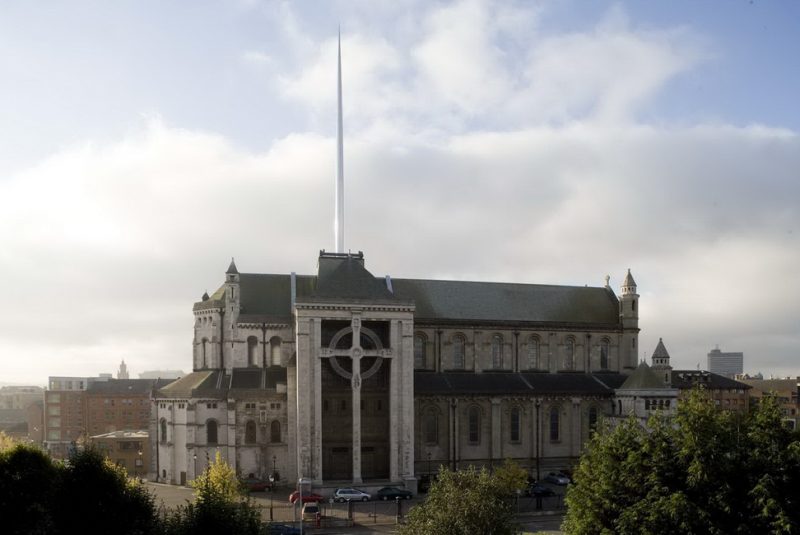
column 420, row 357
column 163, row 437
column 554, row 424
column 569, row 354
column 515, row 424
column 275, row 431
column 458, row 352
column 592, row 419
column 474, row 423
column 211, row 432
column 250, row 432
column 431, row 427
column 497, row 352
column 604, row 355
column 252, row 351
column 275, row 350
column 533, row 353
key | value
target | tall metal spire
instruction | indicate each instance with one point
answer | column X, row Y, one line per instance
column 338, row 223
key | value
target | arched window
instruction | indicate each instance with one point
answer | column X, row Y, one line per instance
column 252, row 351
column 420, row 357
column 604, row 354
column 431, row 427
column 275, row 350
column 458, row 352
column 514, row 427
column 533, row 353
column 211, row 432
column 592, row 418
column 569, row 354
column 554, row 424
column 275, row 431
column 163, row 437
column 497, row 352
column 250, row 432
column 474, row 424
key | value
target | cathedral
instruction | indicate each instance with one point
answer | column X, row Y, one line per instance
column 342, row 377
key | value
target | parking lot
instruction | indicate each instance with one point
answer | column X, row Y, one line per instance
column 380, row 515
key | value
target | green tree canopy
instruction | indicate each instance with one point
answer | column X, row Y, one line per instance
column 465, row 502
column 220, row 506
column 705, row 471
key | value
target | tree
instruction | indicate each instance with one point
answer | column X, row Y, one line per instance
column 38, row 495
column 511, row 476
column 97, row 496
column 220, row 506
column 464, row 502
column 29, row 481
column 705, row 471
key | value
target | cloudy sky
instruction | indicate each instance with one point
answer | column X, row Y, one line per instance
column 143, row 144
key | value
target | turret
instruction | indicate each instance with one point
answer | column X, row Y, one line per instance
column 661, row 362
column 629, row 317
column 230, row 315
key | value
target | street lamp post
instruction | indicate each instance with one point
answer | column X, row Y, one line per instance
column 194, row 456
column 271, row 490
column 274, row 458
column 429, row 463
column 138, row 464
column 538, row 440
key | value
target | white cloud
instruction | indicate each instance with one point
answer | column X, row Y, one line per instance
column 106, row 245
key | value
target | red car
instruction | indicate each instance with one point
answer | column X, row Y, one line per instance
column 307, row 497
column 253, row 484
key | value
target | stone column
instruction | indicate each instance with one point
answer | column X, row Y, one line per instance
column 355, row 384
column 303, row 400
column 394, row 399
column 575, row 424
column 316, row 433
column 495, row 450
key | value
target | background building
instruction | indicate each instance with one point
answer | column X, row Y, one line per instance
column 129, row 449
column 727, row 364
column 76, row 408
column 785, row 391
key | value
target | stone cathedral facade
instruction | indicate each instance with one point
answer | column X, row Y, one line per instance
column 346, row 378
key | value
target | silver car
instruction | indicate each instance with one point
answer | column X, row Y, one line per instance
column 351, row 495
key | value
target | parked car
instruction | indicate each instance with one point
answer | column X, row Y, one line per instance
column 537, row 490
column 557, row 478
column 310, row 511
column 254, row 484
column 390, row 493
column 282, row 529
column 307, row 497
column 351, row 495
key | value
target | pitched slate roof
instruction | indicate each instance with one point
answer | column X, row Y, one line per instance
column 684, row 379
column 508, row 383
column 215, row 384
column 644, row 378
column 442, row 300
column 267, row 297
column 125, row 386
column 661, row 350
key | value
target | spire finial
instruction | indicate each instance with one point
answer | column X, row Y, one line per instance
column 338, row 223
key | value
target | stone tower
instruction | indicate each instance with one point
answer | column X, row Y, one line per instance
column 230, row 317
column 629, row 316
